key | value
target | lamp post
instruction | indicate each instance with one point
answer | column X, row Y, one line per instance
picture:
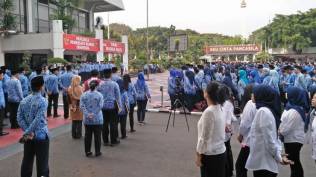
column 147, row 39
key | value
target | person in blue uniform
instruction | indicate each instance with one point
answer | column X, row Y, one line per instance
column 142, row 97
column 32, row 120
column 198, row 79
column 111, row 107
column 131, row 93
column 172, row 86
column 91, row 103
column 6, row 78
column 125, row 108
column 65, row 81
column 15, row 96
column 115, row 76
column 299, row 79
column 24, row 82
column 189, row 90
column 51, row 85
column 2, row 105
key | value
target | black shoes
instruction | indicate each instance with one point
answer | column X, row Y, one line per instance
column 132, row 131
column 117, row 142
column 98, row 154
column 89, row 154
column 56, row 116
column 4, row 133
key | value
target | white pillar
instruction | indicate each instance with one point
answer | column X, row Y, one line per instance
column 125, row 55
column 30, row 16
column 253, row 58
column 1, row 54
column 58, row 39
column 99, row 35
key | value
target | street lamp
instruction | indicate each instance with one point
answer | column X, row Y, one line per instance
column 147, row 40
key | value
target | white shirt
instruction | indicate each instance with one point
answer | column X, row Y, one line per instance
column 265, row 148
column 247, row 117
column 228, row 110
column 292, row 127
column 211, row 132
column 314, row 138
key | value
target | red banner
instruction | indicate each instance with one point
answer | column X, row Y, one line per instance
column 113, row 47
column 81, row 43
column 232, row 49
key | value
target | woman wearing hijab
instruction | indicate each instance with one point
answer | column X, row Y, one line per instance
column 210, row 149
column 142, row 97
column 125, row 108
column 74, row 93
column 131, row 93
column 265, row 147
column 272, row 80
column 292, row 128
column 228, row 81
column 189, row 90
column 254, row 77
column 242, row 83
column 247, row 116
column 208, row 77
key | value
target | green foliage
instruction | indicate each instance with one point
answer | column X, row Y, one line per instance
column 8, row 22
column 263, row 57
column 296, row 31
column 51, row 61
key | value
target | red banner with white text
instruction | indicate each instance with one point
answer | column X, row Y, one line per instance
column 113, row 47
column 81, row 43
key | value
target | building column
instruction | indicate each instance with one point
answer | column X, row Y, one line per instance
column 125, row 55
column 99, row 35
column 58, row 39
column 2, row 61
column 29, row 12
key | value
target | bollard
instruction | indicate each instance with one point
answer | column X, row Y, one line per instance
column 161, row 89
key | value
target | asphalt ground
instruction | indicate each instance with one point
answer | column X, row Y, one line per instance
column 150, row 152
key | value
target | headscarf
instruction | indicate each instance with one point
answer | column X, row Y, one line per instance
column 255, row 76
column 120, row 83
column 297, row 100
column 243, row 76
column 172, row 73
column 228, row 81
column 140, row 80
column 75, row 90
column 266, row 96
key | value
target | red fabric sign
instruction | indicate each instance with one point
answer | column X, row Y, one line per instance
column 113, row 47
column 232, row 49
column 81, row 43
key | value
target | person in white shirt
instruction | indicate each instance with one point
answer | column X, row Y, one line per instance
column 292, row 127
column 228, row 110
column 247, row 116
column 313, row 129
column 265, row 147
column 210, row 150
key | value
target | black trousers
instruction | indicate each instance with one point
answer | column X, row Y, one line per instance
column 94, row 130
column 122, row 119
column 52, row 101
column 172, row 100
column 293, row 150
column 190, row 101
column 110, row 126
column 13, row 114
column 241, row 171
column 229, row 160
column 2, row 112
column 66, row 106
column 213, row 165
column 40, row 150
column 264, row 173
column 131, row 116
column 6, row 109
column 76, row 129
column 141, row 110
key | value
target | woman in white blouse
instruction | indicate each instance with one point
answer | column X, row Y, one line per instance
column 210, row 150
column 265, row 147
column 292, row 127
column 314, row 126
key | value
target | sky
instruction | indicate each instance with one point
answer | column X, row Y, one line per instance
column 206, row 16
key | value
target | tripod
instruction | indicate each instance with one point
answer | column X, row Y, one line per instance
column 177, row 103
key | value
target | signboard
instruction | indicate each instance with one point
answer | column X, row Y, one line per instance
column 81, row 43
column 178, row 43
column 113, row 47
column 232, row 49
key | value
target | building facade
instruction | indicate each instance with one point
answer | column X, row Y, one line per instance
column 37, row 32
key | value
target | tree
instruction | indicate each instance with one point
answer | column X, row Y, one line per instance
column 8, row 22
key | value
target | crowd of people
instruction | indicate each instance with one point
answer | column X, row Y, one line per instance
column 101, row 102
column 276, row 103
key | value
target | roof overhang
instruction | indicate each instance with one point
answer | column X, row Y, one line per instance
column 104, row 5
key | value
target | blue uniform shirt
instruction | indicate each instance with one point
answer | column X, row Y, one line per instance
column 25, row 84
column 31, row 116
column 14, row 90
column 51, row 84
column 6, row 78
column 91, row 102
column 2, row 100
column 124, row 104
column 65, row 81
column 142, row 93
column 111, row 94
column 188, row 87
column 115, row 77
column 131, row 93
column 171, row 85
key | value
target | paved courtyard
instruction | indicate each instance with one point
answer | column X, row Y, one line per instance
column 150, row 152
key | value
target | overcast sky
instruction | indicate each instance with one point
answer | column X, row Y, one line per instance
column 207, row 16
